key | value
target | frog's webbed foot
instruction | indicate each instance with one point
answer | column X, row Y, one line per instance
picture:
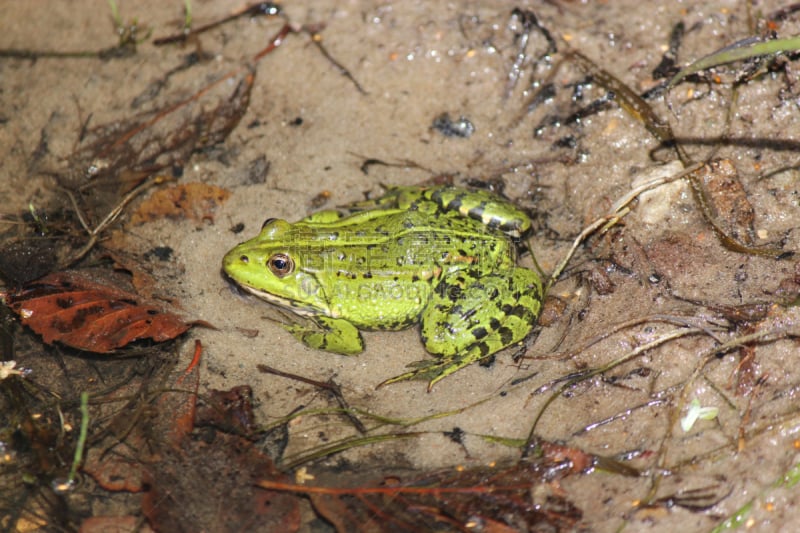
column 435, row 370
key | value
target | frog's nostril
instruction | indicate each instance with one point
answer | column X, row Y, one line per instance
column 244, row 259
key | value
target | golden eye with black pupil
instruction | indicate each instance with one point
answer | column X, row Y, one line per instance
column 280, row 265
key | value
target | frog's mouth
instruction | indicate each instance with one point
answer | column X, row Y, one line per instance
column 298, row 308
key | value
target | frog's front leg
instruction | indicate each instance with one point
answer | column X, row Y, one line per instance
column 472, row 316
column 330, row 334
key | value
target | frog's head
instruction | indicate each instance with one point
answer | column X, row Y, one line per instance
column 273, row 267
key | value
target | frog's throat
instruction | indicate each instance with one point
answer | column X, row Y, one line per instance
column 296, row 307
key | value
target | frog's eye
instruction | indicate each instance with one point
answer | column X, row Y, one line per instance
column 280, row 264
column 266, row 223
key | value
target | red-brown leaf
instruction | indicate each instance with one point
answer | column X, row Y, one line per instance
column 117, row 470
column 72, row 309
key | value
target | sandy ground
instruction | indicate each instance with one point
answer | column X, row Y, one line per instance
column 415, row 61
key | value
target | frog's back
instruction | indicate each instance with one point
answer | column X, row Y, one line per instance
column 401, row 243
column 379, row 271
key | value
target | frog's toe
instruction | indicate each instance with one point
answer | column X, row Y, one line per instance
column 431, row 370
column 401, row 377
column 425, row 369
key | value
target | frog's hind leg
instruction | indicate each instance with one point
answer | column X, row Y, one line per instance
column 323, row 217
column 472, row 316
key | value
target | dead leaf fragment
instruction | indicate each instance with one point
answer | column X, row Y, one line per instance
column 117, row 524
column 727, row 198
column 117, row 470
column 230, row 411
column 70, row 308
column 195, row 201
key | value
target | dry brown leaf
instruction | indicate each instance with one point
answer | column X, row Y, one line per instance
column 728, row 200
column 70, row 308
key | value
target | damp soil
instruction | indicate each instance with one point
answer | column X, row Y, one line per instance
column 303, row 141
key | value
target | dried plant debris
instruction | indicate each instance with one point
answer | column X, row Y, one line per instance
column 230, row 411
column 53, row 410
column 195, row 477
column 211, row 487
column 724, row 194
column 716, row 185
column 726, row 208
column 37, row 241
column 630, row 101
column 76, row 310
column 523, row 496
column 22, row 261
column 266, row 9
column 118, row 161
column 156, row 418
column 114, row 158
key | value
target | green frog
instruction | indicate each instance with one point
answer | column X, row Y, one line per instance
column 443, row 257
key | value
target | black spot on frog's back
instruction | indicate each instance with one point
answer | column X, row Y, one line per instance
column 506, row 335
column 479, row 333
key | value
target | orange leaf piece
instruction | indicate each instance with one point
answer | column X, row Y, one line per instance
column 195, row 201
column 72, row 309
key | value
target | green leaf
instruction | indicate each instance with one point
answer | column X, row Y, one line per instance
column 736, row 52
